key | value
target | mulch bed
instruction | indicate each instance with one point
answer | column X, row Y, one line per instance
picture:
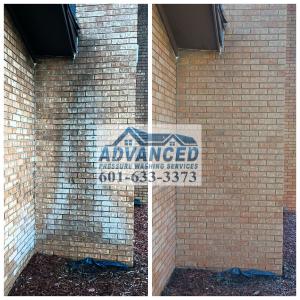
column 195, row 282
column 50, row 275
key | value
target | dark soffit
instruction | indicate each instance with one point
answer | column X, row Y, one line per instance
column 46, row 29
column 194, row 26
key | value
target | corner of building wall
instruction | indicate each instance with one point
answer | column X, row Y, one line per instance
column 158, row 290
column 34, row 158
column 289, row 197
column 20, row 250
column 8, row 286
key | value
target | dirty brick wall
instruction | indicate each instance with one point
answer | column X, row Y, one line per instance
column 141, row 192
column 290, row 112
column 164, row 111
column 142, row 66
column 76, row 216
column 235, row 218
column 18, row 154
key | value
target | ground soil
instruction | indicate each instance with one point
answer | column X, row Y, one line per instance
column 51, row 276
column 191, row 282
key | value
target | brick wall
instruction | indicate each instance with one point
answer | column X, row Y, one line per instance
column 290, row 112
column 141, row 192
column 164, row 111
column 18, row 154
column 235, row 218
column 75, row 215
column 142, row 66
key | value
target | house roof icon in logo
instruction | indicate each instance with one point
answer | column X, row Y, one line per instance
column 154, row 139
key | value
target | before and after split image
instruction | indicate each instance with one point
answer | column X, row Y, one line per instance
column 149, row 149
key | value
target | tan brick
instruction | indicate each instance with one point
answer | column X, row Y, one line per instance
column 246, row 105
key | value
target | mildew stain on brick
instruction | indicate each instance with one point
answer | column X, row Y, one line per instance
column 77, row 216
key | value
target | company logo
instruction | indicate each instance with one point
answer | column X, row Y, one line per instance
column 137, row 145
column 170, row 155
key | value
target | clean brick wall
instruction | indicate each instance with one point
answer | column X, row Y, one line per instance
column 18, row 154
column 164, row 111
column 290, row 112
column 75, row 215
column 141, row 192
column 235, row 218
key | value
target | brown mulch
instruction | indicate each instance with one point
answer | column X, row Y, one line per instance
column 195, row 282
column 47, row 275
